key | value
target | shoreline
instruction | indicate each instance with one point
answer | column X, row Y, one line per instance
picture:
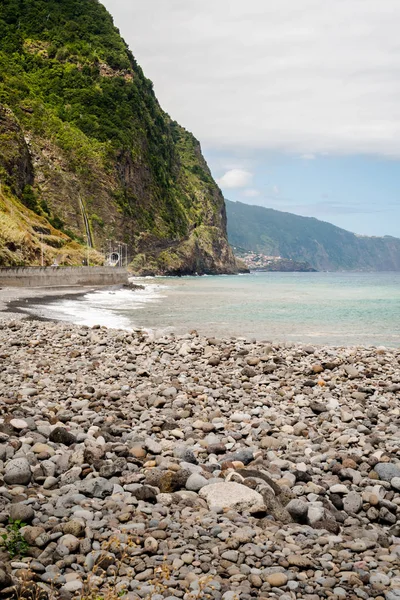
column 12, row 299
column 15, row 303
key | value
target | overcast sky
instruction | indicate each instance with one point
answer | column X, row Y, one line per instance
column 296, row 102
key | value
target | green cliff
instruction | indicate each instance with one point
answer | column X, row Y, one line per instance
column 324, row 246
column 82, row 134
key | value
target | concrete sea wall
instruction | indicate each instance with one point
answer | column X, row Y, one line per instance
column 61, row 276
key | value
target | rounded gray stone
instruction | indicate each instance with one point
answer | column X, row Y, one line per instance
column 18, row 472
column 395, row 483
column 352, row 503
column 387, row 471
column 298, row 509
column 196, row 482
column 22, row 512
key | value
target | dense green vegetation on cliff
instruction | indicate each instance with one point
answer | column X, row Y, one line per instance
column 322, row 245
column 95, row 132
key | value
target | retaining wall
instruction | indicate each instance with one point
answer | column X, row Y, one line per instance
column 61, row 276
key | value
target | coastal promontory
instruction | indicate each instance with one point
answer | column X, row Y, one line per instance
column 89, row 158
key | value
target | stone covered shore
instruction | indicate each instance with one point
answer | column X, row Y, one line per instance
column 193, row 468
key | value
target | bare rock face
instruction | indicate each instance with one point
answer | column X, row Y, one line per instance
column 205, row 250
column 15, row 159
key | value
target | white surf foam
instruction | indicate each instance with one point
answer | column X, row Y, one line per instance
column 102, row 307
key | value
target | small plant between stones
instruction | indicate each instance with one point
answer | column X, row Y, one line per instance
column 13, row 541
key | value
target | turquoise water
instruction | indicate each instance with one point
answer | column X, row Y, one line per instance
column 319, row 308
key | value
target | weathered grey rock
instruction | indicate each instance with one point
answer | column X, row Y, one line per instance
column 387, row 471
column 60, row 435
column 144, row 493
column 22, row 512
column 186, row 455
column 97, row 487
column 319, row 518
column 19, row 424
column 352, row 372
column 277, row 579
column 69, row 541
column 28, row 391
column 298, row 509
column 338, row 488
column 273, row 506
column 230, row 595
column 74, row 527
column 231, row 555
column 196, row 482
column 169, row 392
column 153, row 446
column 31, row 534
column 73, row 586
column 395, row 483
column 17, row 471
column 352, row 502
column 244, row 455
column 387, row 516
column 232, row 495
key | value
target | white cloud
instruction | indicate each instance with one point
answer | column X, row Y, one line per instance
column 308, row 156
column 301, row 77
column 275, row 190
column 251, row 193
column 235, row 178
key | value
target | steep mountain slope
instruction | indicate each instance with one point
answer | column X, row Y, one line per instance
column 27, row 237
column 322, row 245
column 82, row 132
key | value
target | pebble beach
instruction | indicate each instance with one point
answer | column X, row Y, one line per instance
column 187, row 467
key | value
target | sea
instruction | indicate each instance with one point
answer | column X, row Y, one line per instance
column 339, row 309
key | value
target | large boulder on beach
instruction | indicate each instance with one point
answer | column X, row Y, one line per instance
column 18, row 472
column 231, row 495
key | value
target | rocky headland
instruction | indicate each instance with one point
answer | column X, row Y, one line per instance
column 97, row 160
column 192, row 468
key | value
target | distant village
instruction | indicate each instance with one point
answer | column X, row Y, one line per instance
column 257, row 261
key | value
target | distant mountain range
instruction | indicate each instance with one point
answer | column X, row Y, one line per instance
column 324, row 246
